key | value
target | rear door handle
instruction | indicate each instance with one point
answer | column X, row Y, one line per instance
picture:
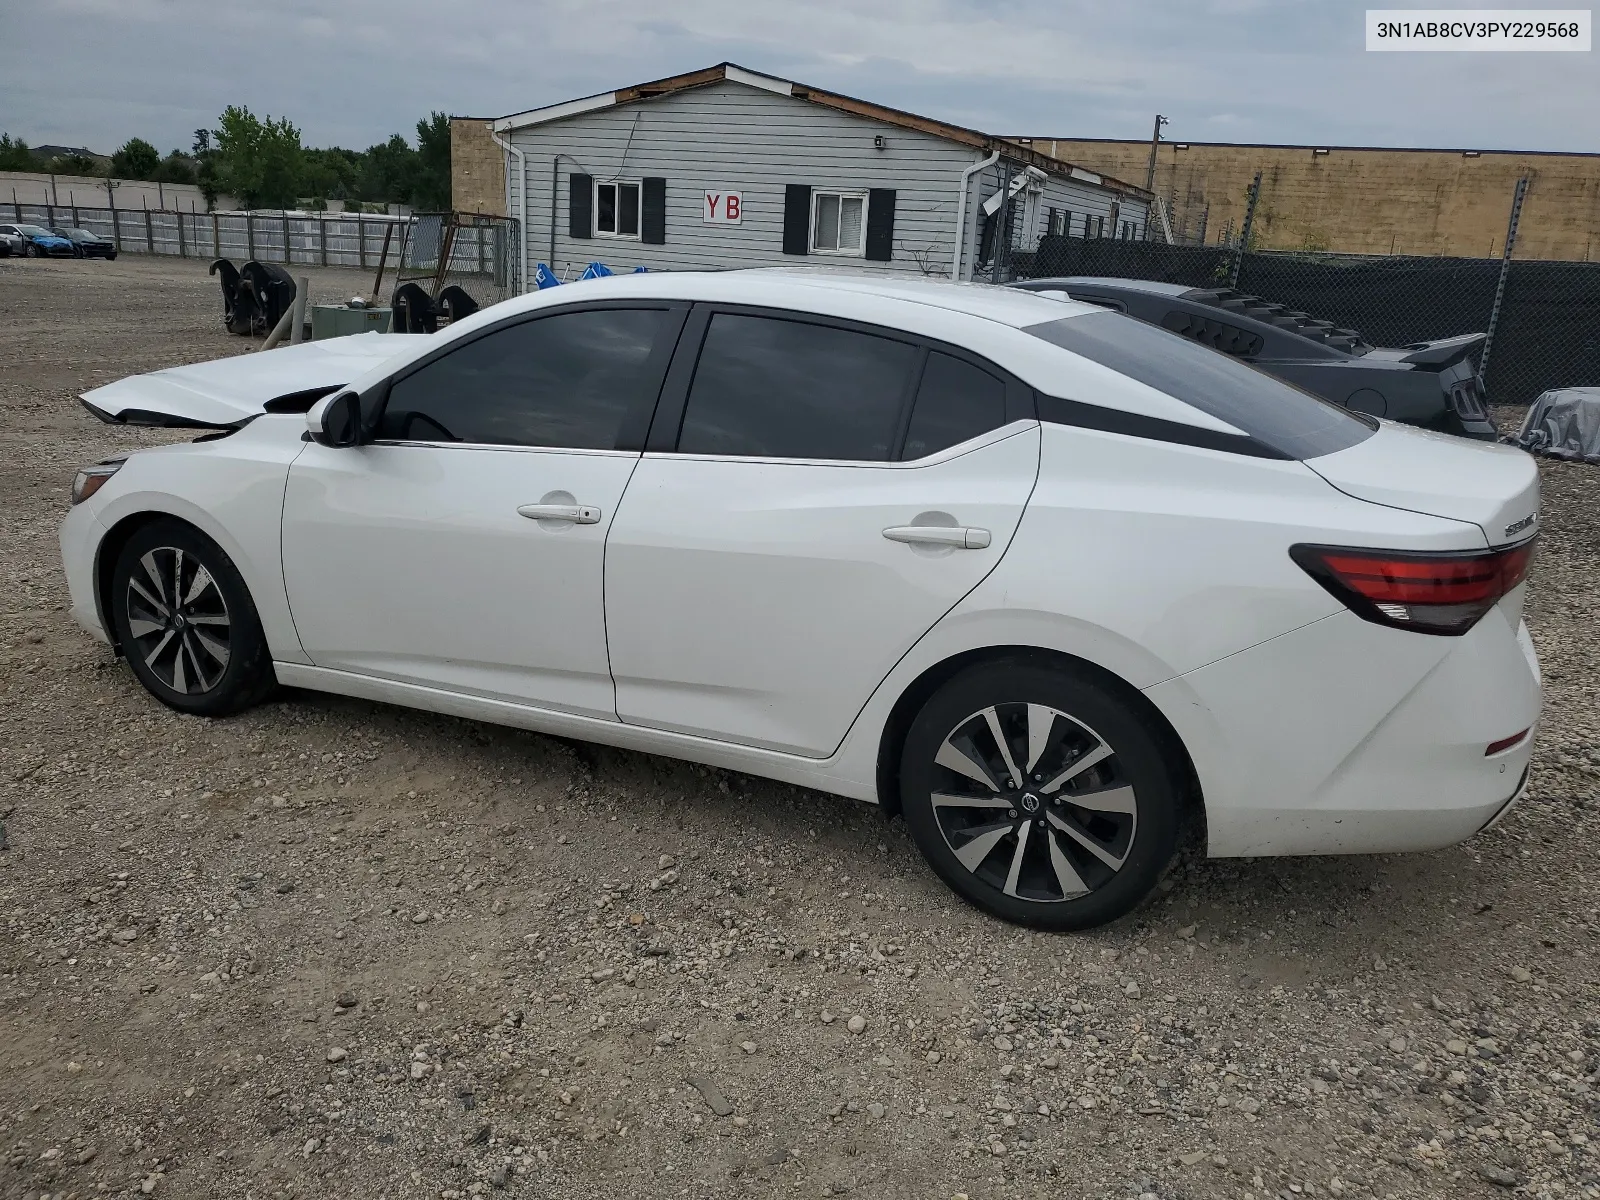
column 578, row 514
column 962, row 537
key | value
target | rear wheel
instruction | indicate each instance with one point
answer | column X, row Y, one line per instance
column 1041, row 796
column 186, row 623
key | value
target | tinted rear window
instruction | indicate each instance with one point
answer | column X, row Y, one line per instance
column 955, row 402
column 1276, row 414
column 769, row 387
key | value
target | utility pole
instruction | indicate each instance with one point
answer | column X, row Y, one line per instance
column 1155, row 140
column 1244, row 233
column 111, row 200
column 1517, row 196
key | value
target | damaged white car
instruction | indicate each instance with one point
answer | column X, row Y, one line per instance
column 1048, row 581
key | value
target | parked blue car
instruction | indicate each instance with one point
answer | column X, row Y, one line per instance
column 39, row 242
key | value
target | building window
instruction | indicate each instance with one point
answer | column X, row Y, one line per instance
column 616, row 209
column 839, row 223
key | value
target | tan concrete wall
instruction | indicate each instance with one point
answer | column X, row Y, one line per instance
column 477, row 168
column 1365, row 201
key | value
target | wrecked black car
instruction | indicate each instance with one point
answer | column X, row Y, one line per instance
column 1434, row 385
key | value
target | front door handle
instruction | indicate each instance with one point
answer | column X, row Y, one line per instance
column 962, row 537
column 578, row 514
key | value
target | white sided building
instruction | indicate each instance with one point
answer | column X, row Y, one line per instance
column 725, row 168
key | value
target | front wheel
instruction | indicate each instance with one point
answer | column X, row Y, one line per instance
column 1040, row 795
column 186, row 623
column 29, row 250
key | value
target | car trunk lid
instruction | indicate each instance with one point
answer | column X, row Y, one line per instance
column 1494, row 487
column 226, row 392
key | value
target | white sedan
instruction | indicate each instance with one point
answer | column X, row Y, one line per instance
column 1048, row 581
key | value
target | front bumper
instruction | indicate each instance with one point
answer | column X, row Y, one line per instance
column 1345, row 737
column 81, row 533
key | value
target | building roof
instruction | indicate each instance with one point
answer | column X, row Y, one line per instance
column 53, row 151
column 733, row 73
column 1185, row 143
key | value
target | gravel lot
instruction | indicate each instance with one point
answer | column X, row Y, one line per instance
column 333, row 949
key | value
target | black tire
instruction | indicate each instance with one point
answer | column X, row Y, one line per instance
column 1124, row 763
column 173, row 648
column 29, row 250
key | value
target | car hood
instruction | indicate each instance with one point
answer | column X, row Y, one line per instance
column 226, row 392
column 1494, row 487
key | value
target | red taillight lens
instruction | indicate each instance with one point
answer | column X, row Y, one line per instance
column 1429, row 592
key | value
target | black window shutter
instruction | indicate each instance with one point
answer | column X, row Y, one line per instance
column 653, row 215
column 880, row 224
column 580, row 206
column 797, row 218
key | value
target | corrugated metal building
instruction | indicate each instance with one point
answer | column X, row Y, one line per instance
column 729, row 168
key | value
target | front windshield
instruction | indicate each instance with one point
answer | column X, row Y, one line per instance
column 34, row 231
column 73, row 233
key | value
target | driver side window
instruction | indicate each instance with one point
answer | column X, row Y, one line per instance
column 565, row 381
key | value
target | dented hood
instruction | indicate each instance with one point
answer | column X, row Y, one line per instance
column 228, row 391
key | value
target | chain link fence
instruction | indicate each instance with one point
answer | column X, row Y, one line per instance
column 1546, row 334
column 471, row 251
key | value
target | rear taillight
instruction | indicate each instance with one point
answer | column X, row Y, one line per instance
column 1443, row 592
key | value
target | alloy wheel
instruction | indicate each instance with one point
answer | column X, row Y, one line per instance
column 1033, row 802
column 178, row 621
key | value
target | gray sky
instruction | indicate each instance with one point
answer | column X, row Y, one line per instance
column 350, row 72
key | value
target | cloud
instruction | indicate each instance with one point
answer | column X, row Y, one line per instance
column 96, row 72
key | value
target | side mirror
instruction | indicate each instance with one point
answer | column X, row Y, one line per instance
column 335, row 420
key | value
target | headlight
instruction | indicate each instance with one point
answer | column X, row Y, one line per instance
column 89, row 480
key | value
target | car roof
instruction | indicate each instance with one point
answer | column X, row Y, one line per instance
column 812, row 289
column 1153, row 286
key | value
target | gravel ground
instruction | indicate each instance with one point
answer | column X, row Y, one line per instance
column 328, row 948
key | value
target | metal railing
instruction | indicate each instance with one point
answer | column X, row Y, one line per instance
column 482, row 250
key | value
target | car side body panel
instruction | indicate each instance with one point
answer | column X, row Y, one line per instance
column 232, row 491
column 759, row 600
column 1346, row 737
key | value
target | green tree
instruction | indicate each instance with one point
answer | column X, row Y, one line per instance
column 176, row 167
column 205, row 166
column 331, row 174
column 75, row 164
column 15, row 155
column 389, row 172
column 137, row 159
column 258, row 161
column 432, row 187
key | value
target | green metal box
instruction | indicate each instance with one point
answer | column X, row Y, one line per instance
column 335, row 320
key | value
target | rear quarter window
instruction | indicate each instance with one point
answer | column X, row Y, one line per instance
column 1270, row 412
